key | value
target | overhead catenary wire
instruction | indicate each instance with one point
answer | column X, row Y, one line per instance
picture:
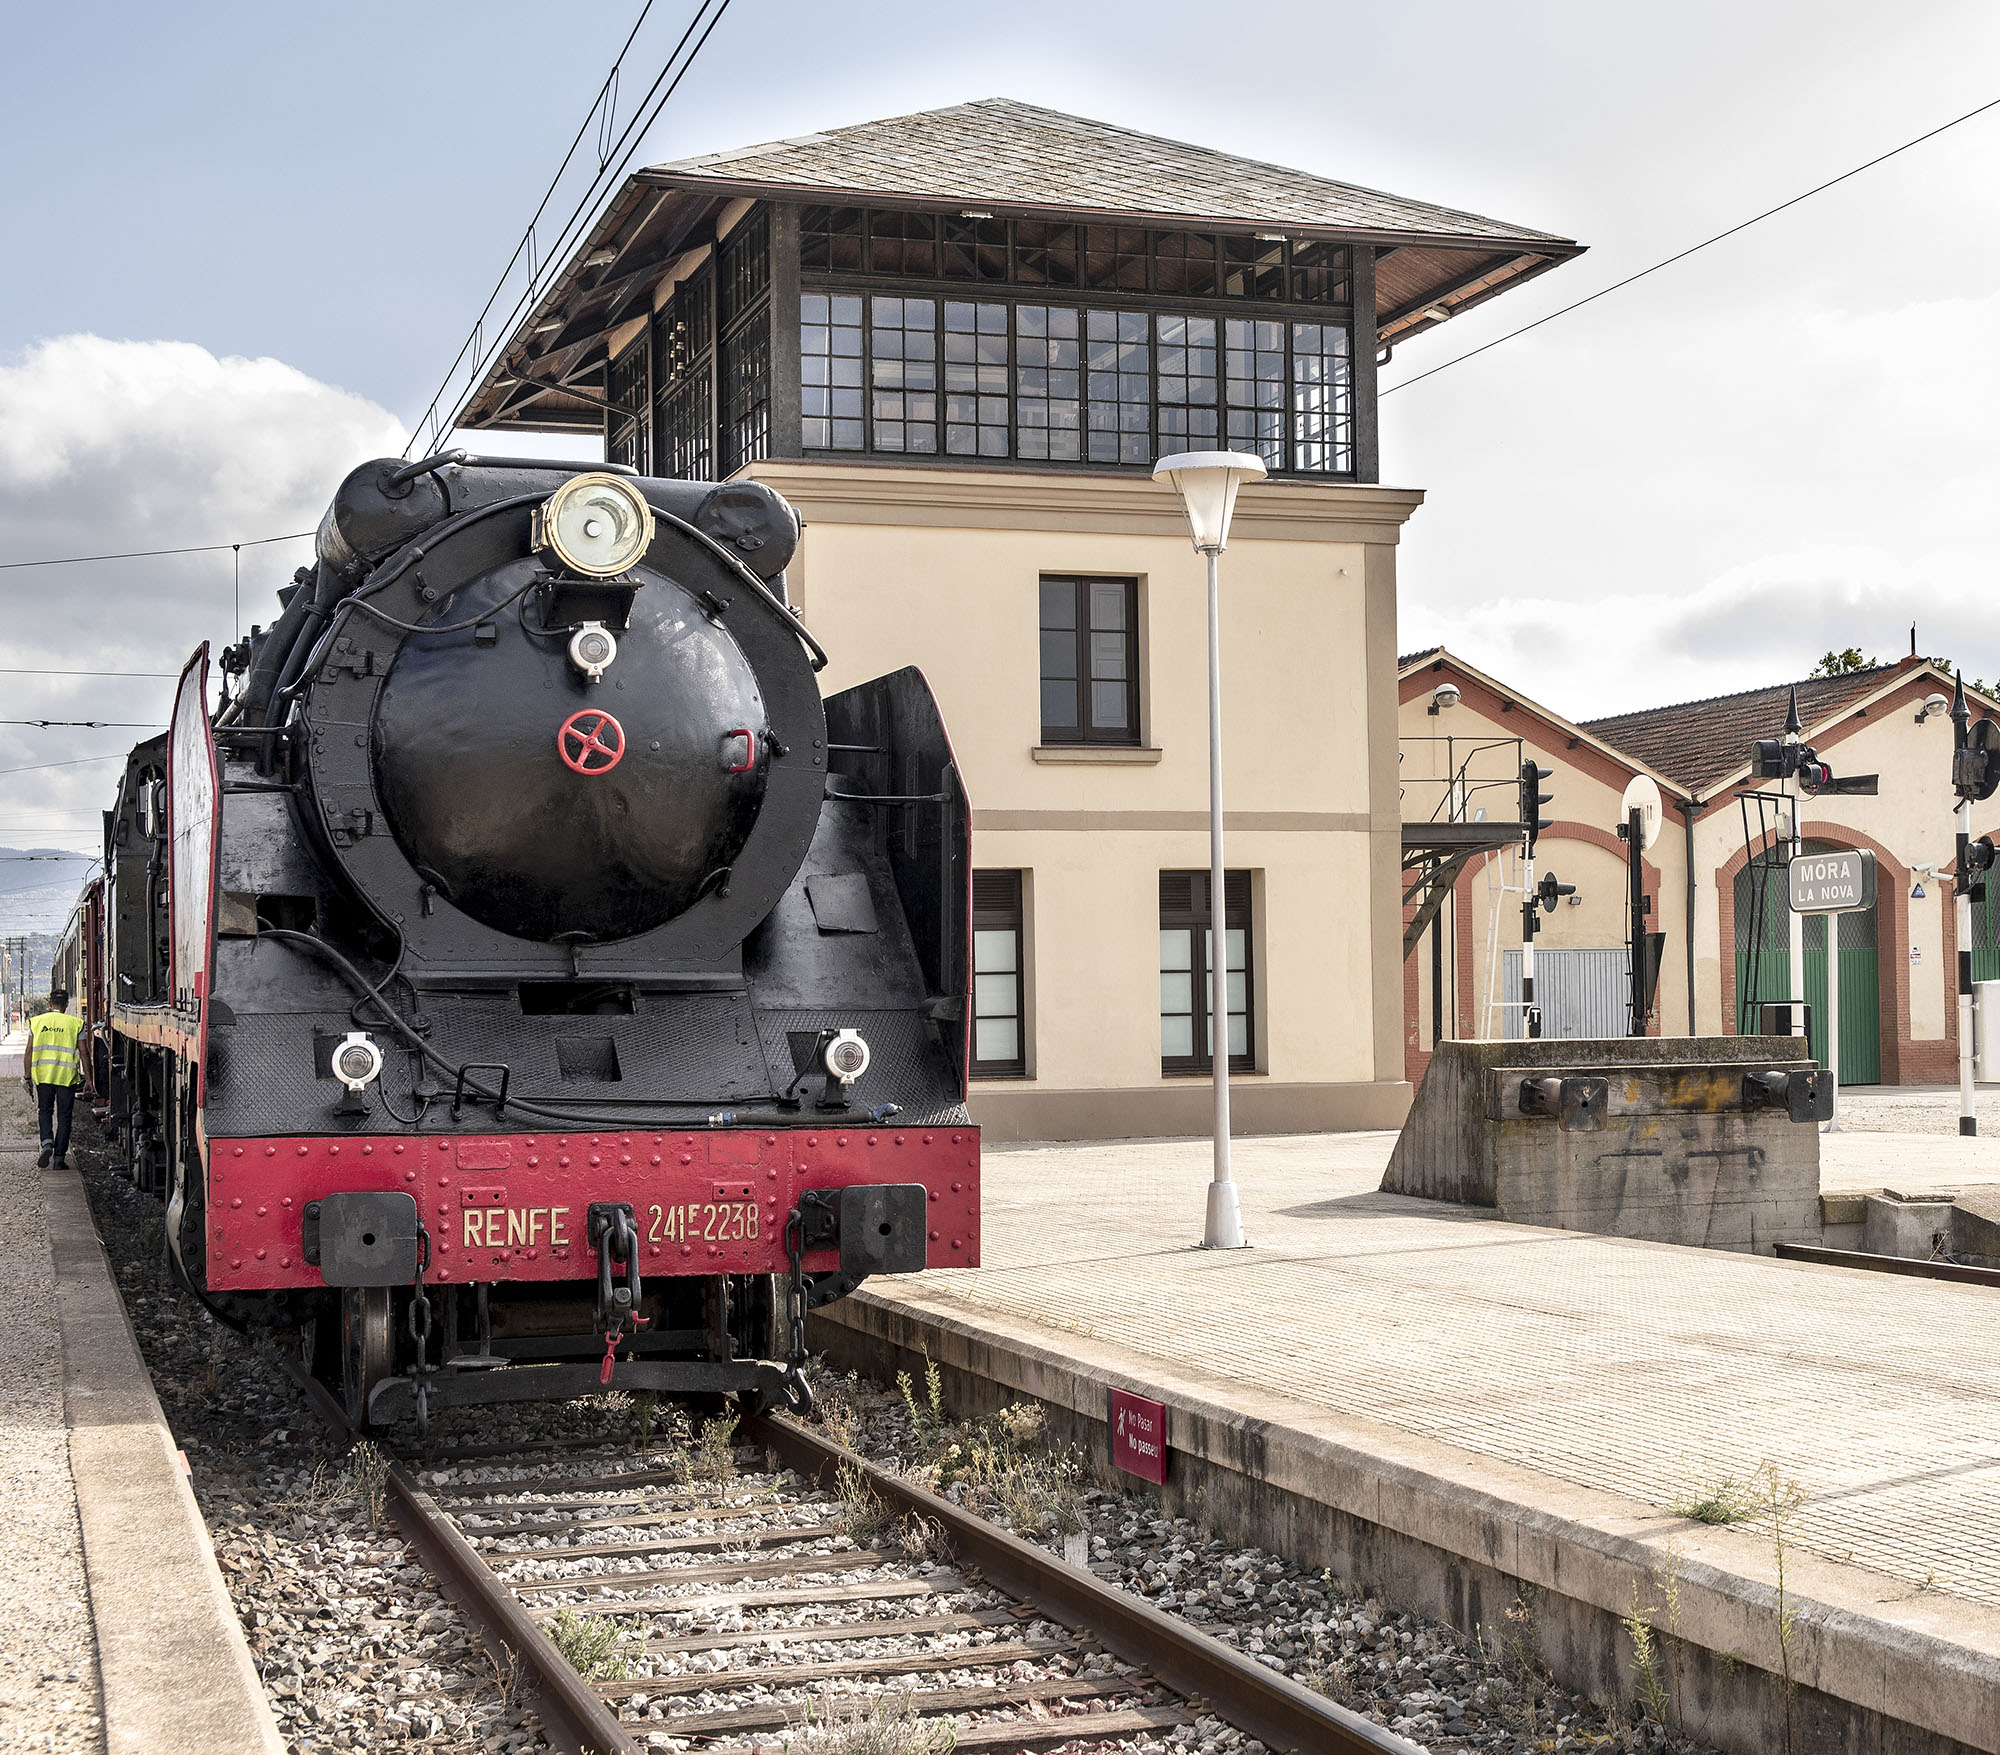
column 612, row 163
column 1693, row 249
column 91, row 724
column 600, row 109
column 76, row 762
column 149, row 554
column 43, row 670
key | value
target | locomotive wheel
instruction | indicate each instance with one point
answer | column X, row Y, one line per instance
column 367, row 1347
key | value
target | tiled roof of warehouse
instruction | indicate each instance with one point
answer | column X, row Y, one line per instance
column 1409, row 658
column 1701, row 742
column 1018, row 155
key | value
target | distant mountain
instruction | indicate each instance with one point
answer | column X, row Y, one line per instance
column 38, row 888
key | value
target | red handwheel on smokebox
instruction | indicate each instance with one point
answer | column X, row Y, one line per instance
column 590, row 741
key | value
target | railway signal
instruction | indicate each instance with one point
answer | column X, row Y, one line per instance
column 1975, row 774
column 1533, row 822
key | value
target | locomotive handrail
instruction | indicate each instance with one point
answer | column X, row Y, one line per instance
column 402, row 478
column 770, row 597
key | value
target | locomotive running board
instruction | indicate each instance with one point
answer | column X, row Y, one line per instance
column 395, row 1398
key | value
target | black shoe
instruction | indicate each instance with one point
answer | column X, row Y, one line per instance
column 48, row 1152
column 62, row 1163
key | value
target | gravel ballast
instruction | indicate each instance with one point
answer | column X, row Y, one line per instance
column 359, row 1652
column 1418, row 1677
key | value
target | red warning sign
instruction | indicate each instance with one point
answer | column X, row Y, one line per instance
column 1139, row 1436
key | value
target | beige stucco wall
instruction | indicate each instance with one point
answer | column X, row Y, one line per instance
column 941, row 568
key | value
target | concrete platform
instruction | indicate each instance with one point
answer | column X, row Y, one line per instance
column 1452, row 1408
column 173, row 1669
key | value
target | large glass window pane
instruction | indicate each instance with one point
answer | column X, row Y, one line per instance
column 973, row 249
column 903, row 373
column 1176, row 1037
column 975, row 379
column 1185, row 364
column 1322, row 399
column 830, row 238
column 1114, row 256
column 1184, row 264
column 1176, row 948
column 1059, row 707
column 903, row 244
column 1254, row 369
column 830, row 372
column 1047, row 382
column 993, row 995
column 1044, row 254
column 1059, row 603
column 1058, row 655
column 1176, row 992
column 1319, row 274
column 994, row 952
column 997, row 960
column 996, row 1039
column 1253, row 268
column 1118, row 362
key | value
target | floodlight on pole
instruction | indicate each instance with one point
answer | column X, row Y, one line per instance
column 1206, row 482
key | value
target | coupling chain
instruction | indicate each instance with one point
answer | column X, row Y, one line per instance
column 798, row 1392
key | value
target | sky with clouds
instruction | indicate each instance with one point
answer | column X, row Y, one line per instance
column 246, row 240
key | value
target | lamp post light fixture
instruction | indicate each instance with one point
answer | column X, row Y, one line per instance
column 1207, row 482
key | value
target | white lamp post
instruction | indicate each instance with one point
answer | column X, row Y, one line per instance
column 1207, row 482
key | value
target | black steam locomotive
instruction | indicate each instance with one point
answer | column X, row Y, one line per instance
column 521, row 979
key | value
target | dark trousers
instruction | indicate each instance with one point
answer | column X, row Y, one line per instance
column 53, row 1104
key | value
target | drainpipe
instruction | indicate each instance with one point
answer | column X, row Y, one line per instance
column 1690, row 809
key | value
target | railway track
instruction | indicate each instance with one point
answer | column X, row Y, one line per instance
column 748, row 1608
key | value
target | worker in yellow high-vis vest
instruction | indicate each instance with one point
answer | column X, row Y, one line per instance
column 53, row 1068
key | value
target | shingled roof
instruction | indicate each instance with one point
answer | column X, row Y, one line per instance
column 1699, row 743
column 1006, row 159
column 1006, row 154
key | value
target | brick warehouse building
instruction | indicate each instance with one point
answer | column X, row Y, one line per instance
column 957, row 341
column 1899, row 1023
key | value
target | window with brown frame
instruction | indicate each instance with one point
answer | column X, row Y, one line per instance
column 1186, row 949
column 1090, row 660
column 999, row 961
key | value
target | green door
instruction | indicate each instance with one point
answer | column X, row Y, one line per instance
column 1985, row 930
column 1860, row 973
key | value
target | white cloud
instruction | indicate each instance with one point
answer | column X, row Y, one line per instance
column 109, row 446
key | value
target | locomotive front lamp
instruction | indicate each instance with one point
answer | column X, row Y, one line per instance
column 357, row 1062
column 592, row 648
column 1206, row 482
column 598, row 525
column 846, row 1057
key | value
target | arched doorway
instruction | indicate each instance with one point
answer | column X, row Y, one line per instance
column 1765, row 944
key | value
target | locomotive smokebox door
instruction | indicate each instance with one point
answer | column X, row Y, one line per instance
column 367, row 1239
column 882, row 1229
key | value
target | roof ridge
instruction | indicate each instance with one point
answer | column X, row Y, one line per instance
column 1439, row 218
column 1872, row 670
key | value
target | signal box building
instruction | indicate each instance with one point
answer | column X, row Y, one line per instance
column 1727, row 937
column 957, row 342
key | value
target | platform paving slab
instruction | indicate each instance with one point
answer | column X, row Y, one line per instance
column 165, row 1657
column 1521, row 1405
column 48, row 1659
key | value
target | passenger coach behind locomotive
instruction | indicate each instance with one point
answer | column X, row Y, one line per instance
column 578, row 998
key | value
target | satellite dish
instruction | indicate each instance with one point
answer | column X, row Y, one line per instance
column 1643, row 796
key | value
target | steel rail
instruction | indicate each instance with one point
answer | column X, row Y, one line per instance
column 1277, row 1711
column 1962, row 1272
column 572, row 1714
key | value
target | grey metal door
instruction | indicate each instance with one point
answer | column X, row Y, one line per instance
column 1581, row 992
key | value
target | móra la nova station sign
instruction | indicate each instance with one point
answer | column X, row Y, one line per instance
column 1832, row 883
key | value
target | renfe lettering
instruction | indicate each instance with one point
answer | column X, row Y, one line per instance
column 515, row 1227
